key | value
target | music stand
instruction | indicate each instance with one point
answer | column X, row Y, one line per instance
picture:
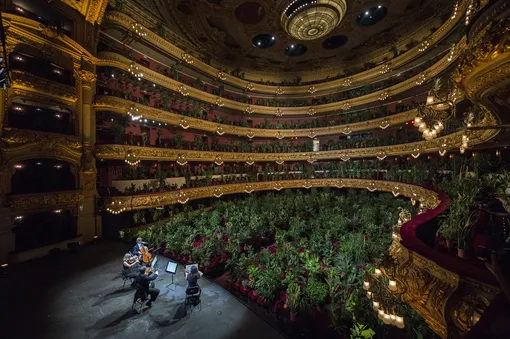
column 171, row 267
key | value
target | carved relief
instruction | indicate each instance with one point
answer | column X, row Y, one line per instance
column 32, row 83
column 43, row 200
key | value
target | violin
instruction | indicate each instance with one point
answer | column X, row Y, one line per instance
column 132, row 260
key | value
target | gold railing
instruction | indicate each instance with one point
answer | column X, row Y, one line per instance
column 111, row 59
column 122, row 106
column 43, row 201
column 31, row 83
column 142, row 201
column 444, row 143
column 152, row 38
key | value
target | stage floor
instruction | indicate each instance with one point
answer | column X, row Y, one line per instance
column 79, row 295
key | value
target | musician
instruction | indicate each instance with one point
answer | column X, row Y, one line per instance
column 193, row 276
column 143, row 280
column 140, row 245
column 130, row 265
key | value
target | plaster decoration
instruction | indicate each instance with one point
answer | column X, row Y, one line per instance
column 41, row 201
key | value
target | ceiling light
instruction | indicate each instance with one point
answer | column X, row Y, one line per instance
column 291, row 46
column 258, row 43
column 366, row 13
column 272, row 38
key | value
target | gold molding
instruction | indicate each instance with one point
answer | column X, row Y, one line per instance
column 22, row 81
column 112, row 59
column 118, row 105
column 14, row 136
column 453, row 141
column 143, row 201
column 485, row 65
column 153, row 39
column 43, row 201
column 92, row 10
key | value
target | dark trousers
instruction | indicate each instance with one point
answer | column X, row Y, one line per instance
column 154, row 292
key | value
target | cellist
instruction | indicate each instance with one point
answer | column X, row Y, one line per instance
column 139, row 248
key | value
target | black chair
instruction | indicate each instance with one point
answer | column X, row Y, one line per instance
column 126, row 277
column 139, row 298
column 193, row 297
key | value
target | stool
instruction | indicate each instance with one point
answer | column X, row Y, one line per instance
column 139, row 298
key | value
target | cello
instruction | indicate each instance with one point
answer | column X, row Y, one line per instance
column 145, row 254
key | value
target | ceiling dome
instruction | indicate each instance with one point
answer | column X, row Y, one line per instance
column 312, row 19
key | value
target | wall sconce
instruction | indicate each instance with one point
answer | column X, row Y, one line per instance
column 279, row 91
column 138, row 29
column 115, row 209
column 187, row 58
column 384, row 95
column 184, row 123
column 346, row 106
column 181, row 160
column 347, row 82
column 385, row 69
column 135, row 71
column 248, row 109
column 347, row 130
column 250, row 161
column 248, row 189
column 442, row 150
column 219, row 102
column 250, row 87
column 250, row 134
column 311, row 111
column 217, row 192
column 392, row 286
column 396, row 191
column 219, row 130
column 278, row 186
column 424, row 45
column 312, row 89
column 384, row 124
column 339, row 184
column 279, row 135
column 221, row 76
column 218, row 160
column 371, row 187
column 381, row 155
column 279, row 112
column 416, row 153
column 134, row 113
column 182, row 198
column 183, row 90
column 307, row 184
column 279, row 161
column 131, row 159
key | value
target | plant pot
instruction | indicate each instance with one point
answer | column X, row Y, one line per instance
column 461, row 252
column 293, row 317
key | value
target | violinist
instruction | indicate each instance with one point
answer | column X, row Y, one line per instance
column 130, row 265
column 143, row 279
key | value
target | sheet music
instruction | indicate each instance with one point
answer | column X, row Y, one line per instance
column 171, row 267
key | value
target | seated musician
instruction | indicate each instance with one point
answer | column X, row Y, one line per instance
column 130, row 265
column 193, row 276
column 143, row 280
column 139, row 247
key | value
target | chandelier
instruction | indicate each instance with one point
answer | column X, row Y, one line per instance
column 131, row 159
column 279, row 112
column 250, row 87
column 117, row 208
column 385, row 69
column 472, row 8
column 439, row 107
column 248, row 109
column 279, row 91
column 219, row 102
column 221, row 76
column 312, row 89
column 312, row 19
column 135, row 71
column 311, row 111
column 183, row 90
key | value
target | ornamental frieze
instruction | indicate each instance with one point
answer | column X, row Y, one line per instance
column 127, row 22
column 122, row 106
column 112, row 59
column 41, row 201
column 448, row 142
column 143, row 201
column 31, row 83
column 13, row 136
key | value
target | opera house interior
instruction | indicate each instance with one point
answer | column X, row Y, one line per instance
column 260, row 168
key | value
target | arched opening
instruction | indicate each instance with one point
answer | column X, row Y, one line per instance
column 45, row 228
column 40, row 117
column 42, row 175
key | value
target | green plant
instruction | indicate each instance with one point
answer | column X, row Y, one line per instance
column 315, row 292
column 293, row 297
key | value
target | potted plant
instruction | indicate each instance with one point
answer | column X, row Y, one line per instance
column 293, row 299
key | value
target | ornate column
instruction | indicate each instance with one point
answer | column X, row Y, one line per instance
column 88, row 224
